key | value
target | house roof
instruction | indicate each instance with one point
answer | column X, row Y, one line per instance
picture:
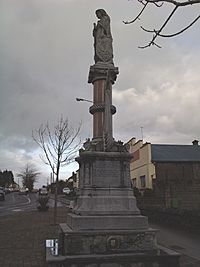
column 175, row 152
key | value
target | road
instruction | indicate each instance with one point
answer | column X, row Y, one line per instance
column 184, row 242
column 14, row 202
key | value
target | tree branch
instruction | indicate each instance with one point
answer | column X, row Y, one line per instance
column 57, row 143
column 157, row 32
column 175, row 3
column 159, row 3
column 181, row 31
column 138, row 16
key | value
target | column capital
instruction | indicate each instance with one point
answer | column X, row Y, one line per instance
column 99, row 72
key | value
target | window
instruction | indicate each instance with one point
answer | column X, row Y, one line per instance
column 143, row 181
column 134, row 182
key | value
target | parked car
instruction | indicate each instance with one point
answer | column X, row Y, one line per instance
column 23, row 191
column 2, row 193
column 66, row 190
column 7, row 190
column 15, row 189
column 43, row 191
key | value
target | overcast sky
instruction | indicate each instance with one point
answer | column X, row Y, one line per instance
column 46, row 49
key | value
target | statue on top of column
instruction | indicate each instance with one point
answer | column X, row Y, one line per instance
column 103, row 50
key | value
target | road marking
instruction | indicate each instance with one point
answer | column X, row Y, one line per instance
column 16, row 210
column 29, row 200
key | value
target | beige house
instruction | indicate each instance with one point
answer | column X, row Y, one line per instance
column 141, row 167
column 149, row 162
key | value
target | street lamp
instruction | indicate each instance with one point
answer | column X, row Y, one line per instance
column 83, row 99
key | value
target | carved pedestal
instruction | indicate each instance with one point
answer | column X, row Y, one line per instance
column 105, row 199
column 105, row 227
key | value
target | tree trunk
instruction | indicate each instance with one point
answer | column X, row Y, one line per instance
column 55, row 201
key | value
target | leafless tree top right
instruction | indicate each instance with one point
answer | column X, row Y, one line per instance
column 159, row 4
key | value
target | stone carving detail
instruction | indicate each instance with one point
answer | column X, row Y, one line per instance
column 103, row 50
column 97, row 244
column 87, row 174
column 93, row 145
column 113, row 242
column 99, row 72
column 100, row 108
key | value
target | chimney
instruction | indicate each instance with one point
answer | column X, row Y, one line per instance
column 133, row 141
column 195, row 143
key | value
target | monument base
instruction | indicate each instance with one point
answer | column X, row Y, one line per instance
column 115, row 222
column 105, row 227
column 94, row 242
column 160, row 257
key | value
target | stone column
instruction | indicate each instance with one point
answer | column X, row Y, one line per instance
column 102, row 77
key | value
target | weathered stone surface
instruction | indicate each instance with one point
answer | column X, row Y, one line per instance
column 164, row 258
column 104, row 242
column 104, row 169
column 105, row 187
column 99, row 72
column 102, row 38
column 106, row 201
column 83, row 222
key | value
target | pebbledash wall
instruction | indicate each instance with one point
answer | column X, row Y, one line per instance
column 141, row 166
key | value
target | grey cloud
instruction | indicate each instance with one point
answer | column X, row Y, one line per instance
column 46, row 48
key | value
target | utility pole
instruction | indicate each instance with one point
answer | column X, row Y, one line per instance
column 141, row 128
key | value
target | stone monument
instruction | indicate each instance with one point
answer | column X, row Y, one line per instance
column 105, row 227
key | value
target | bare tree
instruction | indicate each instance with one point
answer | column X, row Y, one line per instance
column 59, row 145
column 159, row 4
column 29, row 175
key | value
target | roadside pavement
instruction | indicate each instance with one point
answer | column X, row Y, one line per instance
column 23, row 235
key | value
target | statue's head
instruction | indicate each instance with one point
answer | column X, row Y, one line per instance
column 100, row 13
